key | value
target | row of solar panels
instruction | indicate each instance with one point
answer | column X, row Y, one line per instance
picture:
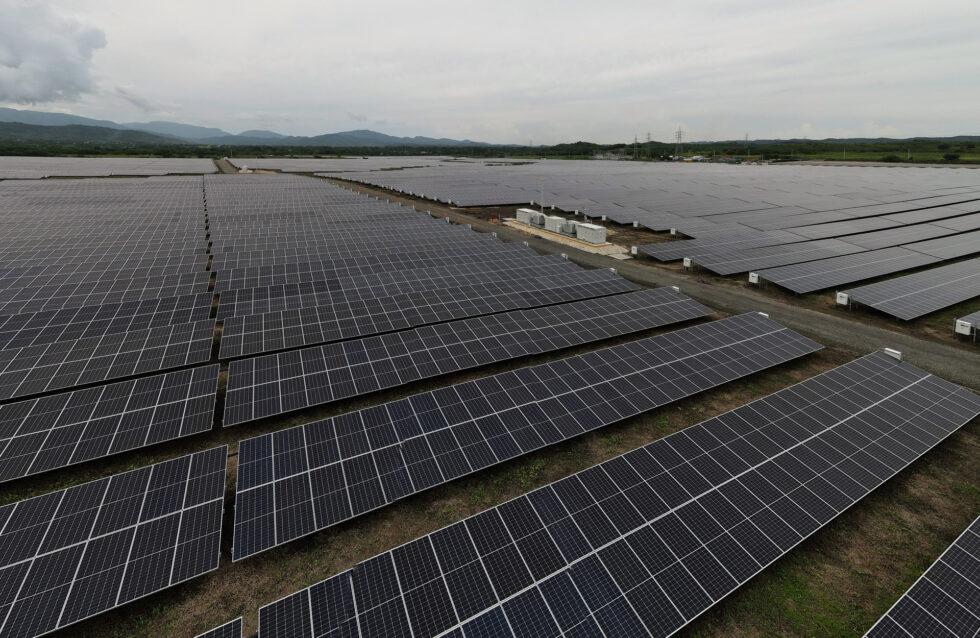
column 819, row 248
column 640, row 544
column 695, row 198
column 58, row 430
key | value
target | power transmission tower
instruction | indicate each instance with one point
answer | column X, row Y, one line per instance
column 679, row 137
column 636, row 148
column 649, row 146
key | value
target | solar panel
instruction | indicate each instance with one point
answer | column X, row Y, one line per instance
column 269, row 385
column 945, row 600
column 920, row 293
column 669, row 251
column 73, row 427
column 728, row 262
column 345, row 319
column 78, row 552
column 297, row 481
column 231, row 629
column 73, row 295
column 53, row 366
column 324, row 267
column 324, row 292
column 18, row 331
column 837, row 271
column 949, row 247
column 645, row 542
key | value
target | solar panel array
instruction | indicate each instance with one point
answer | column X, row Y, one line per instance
column 920, row 293
column 116, row 280
column 63, row 429
column 232, row 629
column 270, row 385
column 54, row 366
column 39, row 167
column 74, row 553
column 296, row 481
column 746, row 218
column 270, row 331
column 945, row 600
column 644, row 543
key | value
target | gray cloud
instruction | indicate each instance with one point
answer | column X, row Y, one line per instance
column 514, row 70
column 44, row 56
column 136, row 100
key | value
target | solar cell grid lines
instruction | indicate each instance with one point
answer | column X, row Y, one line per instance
column 296, row 481
column 408, row 267
column 59, row 430
column 231, row 629
column 272, row 256
column 645, row 542
column 920, row 293
column 264, row 386
column 36, row 369
column 729, row 262
column 396, row 237
column 86, row 293
column 310, row 321
column 74, row 553
column 67, row 324
column 306, row 291
column 945, row 600
column 949, row 247
column 40, row 167
column 837, row 271
column 669, row 251
column 358, row 318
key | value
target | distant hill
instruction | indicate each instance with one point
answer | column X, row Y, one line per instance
column 76, row 134
column 176, row 129
column 346, row 139
column 258, row 133
column 177, row 132
column 41, row 118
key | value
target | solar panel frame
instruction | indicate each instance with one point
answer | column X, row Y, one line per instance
column 921, row 293
column 57, row 431
column 170, row 512
column 231, row 629
column 944, row 600
column 37, row 369
column 254, row 334
column 274, row 384
column 332, row 470
column 687, row 519
column 68, row 324
column 836, row 271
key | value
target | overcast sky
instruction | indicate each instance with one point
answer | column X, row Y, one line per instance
column 505, row 71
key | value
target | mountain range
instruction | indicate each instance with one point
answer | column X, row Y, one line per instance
column 26, row 126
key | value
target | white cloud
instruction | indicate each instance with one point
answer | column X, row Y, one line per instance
column 45, row 56
column 549, row 70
